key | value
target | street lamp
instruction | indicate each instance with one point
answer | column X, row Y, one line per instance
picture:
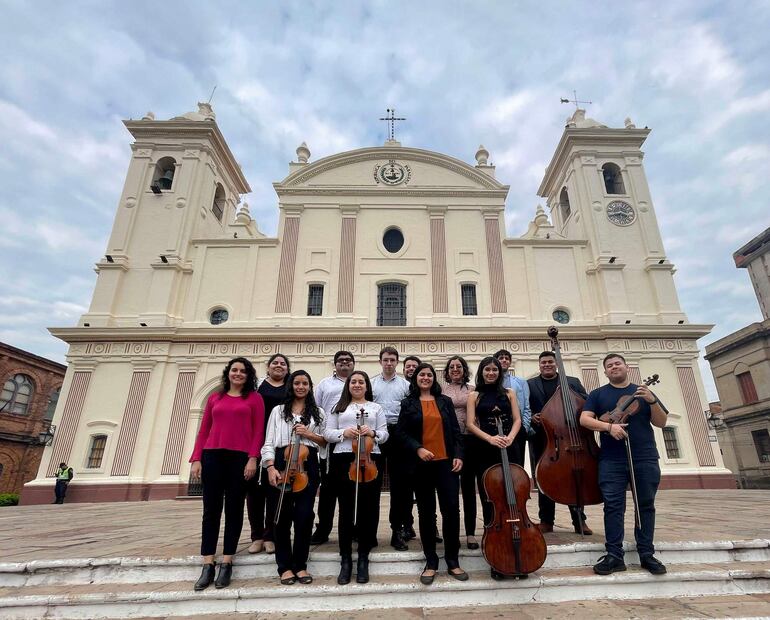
column 714, row 420
column 45, row 437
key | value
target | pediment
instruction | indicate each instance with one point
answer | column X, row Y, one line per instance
column 416, row 169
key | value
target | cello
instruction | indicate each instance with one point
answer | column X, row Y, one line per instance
column 568, row 470
column 512, row 545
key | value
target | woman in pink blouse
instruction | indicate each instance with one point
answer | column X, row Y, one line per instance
column 457, row 386
column 225, row 457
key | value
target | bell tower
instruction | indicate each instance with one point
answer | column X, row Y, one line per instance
column 597, row 191
column 182, row 183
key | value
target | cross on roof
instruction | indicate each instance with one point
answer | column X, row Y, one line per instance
column 574, row 100
column 391, row 118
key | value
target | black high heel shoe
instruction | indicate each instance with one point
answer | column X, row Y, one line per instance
column 346, row 570
column 224, row 575
column 206, row 578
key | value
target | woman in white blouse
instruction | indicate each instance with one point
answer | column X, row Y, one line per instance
column 355, row 406
column 298, row 414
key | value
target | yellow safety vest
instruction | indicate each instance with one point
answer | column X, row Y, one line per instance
column 64, row 474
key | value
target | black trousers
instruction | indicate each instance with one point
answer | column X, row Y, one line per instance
column 487, row 456
column 223, row 485
column 327, row 500
column 296, row 510
column 61, row 490
column 468, row 484
column 546, row 506
column 436, row 478
column 368, row 505
column 401, row 490
column 260, row 505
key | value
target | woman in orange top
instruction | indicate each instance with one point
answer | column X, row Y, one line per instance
column 428, row 431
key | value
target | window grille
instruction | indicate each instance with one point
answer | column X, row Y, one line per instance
column 315, row 299
column 96, row 453
column 671, row 443
column 468, row 294
column 391, row 304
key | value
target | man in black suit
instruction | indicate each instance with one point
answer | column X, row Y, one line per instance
column 541, row 388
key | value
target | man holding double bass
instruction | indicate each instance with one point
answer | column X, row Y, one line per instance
column 615, row 471
column 541, row 389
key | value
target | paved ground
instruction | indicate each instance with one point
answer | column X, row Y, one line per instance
column 756, row 606
column 172, row 528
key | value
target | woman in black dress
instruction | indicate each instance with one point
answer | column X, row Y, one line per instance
column 486, row 403
column 261, row 498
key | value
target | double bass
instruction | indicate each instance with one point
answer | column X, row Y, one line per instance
column 511, row 544
column 568, row 470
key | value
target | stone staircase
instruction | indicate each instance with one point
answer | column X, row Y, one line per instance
column 156, row 587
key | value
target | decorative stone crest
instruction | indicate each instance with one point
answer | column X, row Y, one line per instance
column 392, row 173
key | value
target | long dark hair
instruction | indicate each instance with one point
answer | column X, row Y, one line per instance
column 414, row 390
column 346, row 396
column 480, row 383
column 285, row 359
column 466, row 370
column 251, row 377
column 311, row 408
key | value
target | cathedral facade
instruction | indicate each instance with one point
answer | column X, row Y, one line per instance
column 381, row 245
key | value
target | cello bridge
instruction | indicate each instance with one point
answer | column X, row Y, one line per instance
column 512, row 520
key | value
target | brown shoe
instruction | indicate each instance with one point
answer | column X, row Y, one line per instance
column 587, row 531
column 545, row 528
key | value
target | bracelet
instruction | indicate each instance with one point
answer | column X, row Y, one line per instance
column 609, row 430
column 271, row 465
column 374, row 435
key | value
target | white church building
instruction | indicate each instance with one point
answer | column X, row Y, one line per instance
column 380, row 245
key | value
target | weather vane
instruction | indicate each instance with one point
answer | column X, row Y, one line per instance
column 391, row 118
column 576, row 101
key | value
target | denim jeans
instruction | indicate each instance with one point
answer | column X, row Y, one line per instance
column 613, row 479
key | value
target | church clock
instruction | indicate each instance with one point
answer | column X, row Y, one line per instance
column 620, row 213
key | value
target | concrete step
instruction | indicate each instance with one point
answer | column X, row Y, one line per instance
column 388, row 592
column 324, row 561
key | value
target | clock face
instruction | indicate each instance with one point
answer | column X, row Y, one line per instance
column 392, row 173
column 620, row 213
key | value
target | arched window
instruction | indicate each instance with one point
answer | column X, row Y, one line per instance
column 218, row 208
column 391, row 304
column 564, row 206
column 613, row 179
column 53, row 399
column 163, row 175
column 16, row 395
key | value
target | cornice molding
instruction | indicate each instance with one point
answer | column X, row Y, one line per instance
column 385, row 153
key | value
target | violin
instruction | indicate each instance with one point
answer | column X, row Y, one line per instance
column 628, row 405
column 568, row 470
column 293, row 478
column 363, row 468
column 512, row 544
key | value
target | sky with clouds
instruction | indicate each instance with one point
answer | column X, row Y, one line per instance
column 463, row 73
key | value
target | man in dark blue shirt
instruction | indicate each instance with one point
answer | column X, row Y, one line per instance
column 614, row 473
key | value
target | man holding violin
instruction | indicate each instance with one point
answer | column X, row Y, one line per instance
column 614, row 465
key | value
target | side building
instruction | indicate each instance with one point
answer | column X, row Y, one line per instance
column 740, row 364
column 30, row 392
column 379, row 245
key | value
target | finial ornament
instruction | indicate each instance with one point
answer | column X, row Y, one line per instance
column 541, row 219
column 482, row 156
column 629, row 123
column 392, row 118
column 303, row 153
column 150, row 116
column 243, row 217
column 205, row 110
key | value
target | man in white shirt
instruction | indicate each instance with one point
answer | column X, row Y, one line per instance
column 327, row 395
column 521, row 389
column 389, row 390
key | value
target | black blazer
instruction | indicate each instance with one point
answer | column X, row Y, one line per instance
column 408, row 432
column 537, row 392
